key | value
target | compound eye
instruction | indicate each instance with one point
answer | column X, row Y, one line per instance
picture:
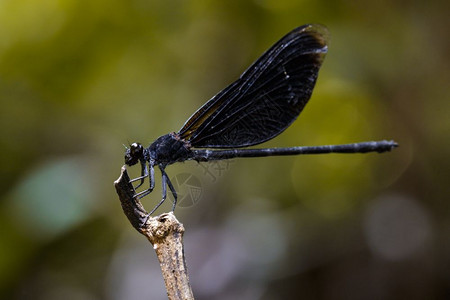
column 136, row 148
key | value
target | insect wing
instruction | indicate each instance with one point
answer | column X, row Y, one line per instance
column 267, row 97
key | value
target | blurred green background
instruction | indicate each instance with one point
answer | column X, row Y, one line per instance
column 80, row 78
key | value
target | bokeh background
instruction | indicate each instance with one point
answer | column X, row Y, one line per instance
column 80, row 78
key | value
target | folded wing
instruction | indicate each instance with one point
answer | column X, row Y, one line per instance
column 267, row 97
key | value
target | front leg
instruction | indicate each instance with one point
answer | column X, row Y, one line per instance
column 144, row 173
column 152, row 183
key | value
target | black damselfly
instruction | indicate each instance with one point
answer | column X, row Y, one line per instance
column 257, row 107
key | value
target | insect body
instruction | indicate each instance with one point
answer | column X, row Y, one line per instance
column 257, row 107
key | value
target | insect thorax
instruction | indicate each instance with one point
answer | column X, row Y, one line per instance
column 168, row 149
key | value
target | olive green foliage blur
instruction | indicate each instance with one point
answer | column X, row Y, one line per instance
column 78, row 79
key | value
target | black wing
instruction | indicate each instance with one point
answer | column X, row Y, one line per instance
column 267, row 97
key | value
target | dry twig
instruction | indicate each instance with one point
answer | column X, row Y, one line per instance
column 165, row 233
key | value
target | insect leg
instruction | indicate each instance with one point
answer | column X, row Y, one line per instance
column 151, row 176
column 172, row 189
column 165, row 179
column 144, row 173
